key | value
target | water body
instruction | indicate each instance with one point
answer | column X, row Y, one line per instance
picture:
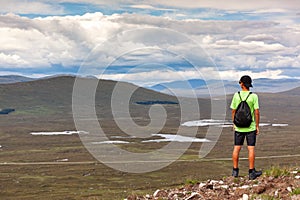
column 111, row 142
column 220, row 123
column 58, row 133
column 175, row 138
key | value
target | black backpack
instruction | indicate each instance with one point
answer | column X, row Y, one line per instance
column 242, row 116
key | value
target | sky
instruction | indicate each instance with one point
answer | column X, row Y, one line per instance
column 150, row 41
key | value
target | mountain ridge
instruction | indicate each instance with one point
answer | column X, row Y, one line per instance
column 188, row 87
column 6, row 79
column 204, row 88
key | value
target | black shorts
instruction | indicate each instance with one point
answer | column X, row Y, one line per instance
column 239, row 138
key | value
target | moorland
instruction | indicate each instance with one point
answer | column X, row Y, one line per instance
column 60, row 167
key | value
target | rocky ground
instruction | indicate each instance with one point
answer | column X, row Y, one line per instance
column 272, row 185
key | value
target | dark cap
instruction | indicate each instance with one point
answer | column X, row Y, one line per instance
column 246, row 80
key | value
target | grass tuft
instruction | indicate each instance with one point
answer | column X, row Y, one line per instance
column 276, row 172
column 264, row 197
column 190, row 181
column 296, row 191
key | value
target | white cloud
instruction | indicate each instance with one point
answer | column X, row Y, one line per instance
column 235, row 74
column 11, row 60
column 156, row 76
column 30, row 7
column 259, row 37
column 52, row 40
column 67, row 40
column 258, row 47
column 207, row 39
column 230, row 5
column 272, row 10
column 149, row 7
column 284, row 62
column 233, row 4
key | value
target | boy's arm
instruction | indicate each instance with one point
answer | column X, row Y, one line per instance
column 257, row 116
column 233, row 113
column 232, row 116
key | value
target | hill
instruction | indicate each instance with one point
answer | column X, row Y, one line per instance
column 56, row 92
column 14, row 79
column 53, row 96
column 294, row 92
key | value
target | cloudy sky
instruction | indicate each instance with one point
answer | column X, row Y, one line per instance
column 151, row 41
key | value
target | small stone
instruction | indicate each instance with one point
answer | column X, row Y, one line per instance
column 201, row 185
column 225, row 186
column 276, row 193
column 297, row 177
column 193, row 195
column 216, row 187
column 245, row 196
column 213, row 182
column 245, row 187
column 289, row 189
column 156, row 193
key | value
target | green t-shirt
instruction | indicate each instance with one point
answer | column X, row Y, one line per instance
column 253, row 104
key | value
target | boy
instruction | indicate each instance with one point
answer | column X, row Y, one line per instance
column 245, row 132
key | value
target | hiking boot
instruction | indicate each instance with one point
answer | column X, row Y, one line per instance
column 254, row 174
column 235, row 172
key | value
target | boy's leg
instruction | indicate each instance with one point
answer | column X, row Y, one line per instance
column 235, row 159
column 235, row 156
column 238, row 143
column 251, row 156
column 251, row 140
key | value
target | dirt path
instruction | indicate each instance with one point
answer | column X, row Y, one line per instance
column 95, row 162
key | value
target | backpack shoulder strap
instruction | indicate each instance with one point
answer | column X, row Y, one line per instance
column 248, row 96
column 240, row 95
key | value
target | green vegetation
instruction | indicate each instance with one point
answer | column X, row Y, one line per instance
column 191, row 181
column 264, row 197
column 295, row 191
column 276, row 171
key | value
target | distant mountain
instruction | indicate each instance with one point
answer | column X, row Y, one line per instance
column 17, row 79
column 292, row 92
column 216, row 87
column 14, row 79
column 192, row 83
